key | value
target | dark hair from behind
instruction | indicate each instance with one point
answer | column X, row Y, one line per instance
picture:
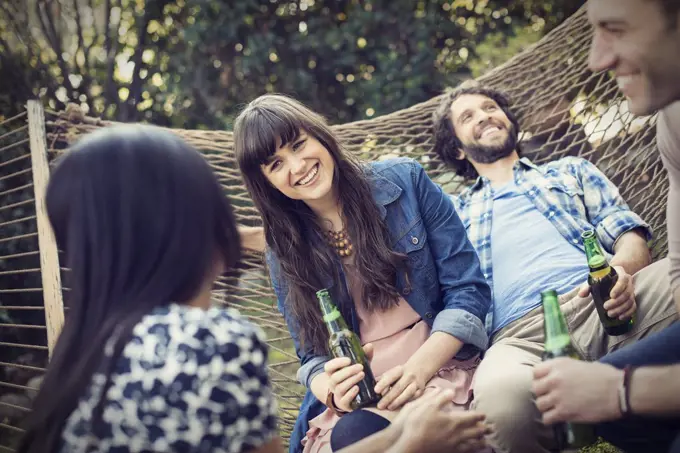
column 142, row 222
column 446, row 143
column 291, row 228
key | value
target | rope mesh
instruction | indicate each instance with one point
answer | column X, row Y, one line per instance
column 23, row 345
column 563, row 108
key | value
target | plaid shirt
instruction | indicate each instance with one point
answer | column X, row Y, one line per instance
column 570, row 192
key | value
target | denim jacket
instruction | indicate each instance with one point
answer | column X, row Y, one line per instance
column 447, row 288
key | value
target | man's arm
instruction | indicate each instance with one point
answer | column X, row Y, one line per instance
column 668, row 142
column 631, row 252
column 655, row 390
column 252, row 238
column 608, row 212
column 588, row 392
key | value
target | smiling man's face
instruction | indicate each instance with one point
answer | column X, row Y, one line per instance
column 484, row 130
column 639, row 41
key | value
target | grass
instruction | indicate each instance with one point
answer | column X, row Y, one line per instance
column 601, row 447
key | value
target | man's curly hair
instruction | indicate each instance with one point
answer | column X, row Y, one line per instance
column 446, row 142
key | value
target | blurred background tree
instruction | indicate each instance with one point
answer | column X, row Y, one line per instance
column 192, row 63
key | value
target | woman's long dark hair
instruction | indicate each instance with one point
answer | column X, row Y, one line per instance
column 143, row 223
column 292, row 230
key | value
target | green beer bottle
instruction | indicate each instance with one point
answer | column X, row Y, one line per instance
column 569, row 436
column 343, row 342
column 602, row 278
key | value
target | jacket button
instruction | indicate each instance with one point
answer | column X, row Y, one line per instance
column 414, row 240
column 428, row 315
column 406, row 291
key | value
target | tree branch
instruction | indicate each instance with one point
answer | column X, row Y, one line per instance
column 54, row 40
column 32, row 76
column 88, row 51
column 86, row 82
column 111, row 46
column 81, row 39
column 136, row 84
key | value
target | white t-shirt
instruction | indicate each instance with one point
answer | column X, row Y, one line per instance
column 668, row 141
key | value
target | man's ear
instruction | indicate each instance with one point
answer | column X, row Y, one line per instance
column 460, row 155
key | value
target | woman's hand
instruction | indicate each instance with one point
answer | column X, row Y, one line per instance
column 398, row 386
column 427, row 425
column 343, row 377
column 403, row 383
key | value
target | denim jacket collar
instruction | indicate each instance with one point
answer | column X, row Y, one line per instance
column 384, row 191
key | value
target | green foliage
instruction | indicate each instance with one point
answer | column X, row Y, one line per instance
column 192, row 63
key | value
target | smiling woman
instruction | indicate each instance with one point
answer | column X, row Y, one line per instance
column 302, row 169
column 387, row 243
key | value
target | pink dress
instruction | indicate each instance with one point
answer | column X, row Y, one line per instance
column 396, row 334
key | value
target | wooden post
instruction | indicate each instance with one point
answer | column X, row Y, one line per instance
column 49, row 255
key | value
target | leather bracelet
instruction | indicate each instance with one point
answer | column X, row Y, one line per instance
column 624, row 391
column 330, row 403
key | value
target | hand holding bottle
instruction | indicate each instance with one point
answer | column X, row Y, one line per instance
column 622, row 303
column 343, row 377
column 576, row 391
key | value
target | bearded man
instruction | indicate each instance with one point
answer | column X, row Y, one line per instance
column 525, row 221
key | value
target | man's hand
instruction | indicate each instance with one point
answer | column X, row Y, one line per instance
column 426, row 424
column 577, row 391
column 622, row 303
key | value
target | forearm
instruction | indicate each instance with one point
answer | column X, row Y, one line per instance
column 673, row 236
column 668, row 120
column 631, row 252
column 655, row 390
column 252, row 238
column 433, row 354
column 320, row 386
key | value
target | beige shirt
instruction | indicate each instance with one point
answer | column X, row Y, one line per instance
column 668, row 141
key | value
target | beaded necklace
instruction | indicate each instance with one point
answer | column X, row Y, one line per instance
column 340, row 241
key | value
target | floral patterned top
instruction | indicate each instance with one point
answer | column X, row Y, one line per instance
column 189, row 380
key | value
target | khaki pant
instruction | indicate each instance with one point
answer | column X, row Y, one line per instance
column 502, row 383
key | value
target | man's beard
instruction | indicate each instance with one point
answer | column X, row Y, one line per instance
column 489, row 154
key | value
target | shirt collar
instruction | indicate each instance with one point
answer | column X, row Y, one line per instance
column 522, row 164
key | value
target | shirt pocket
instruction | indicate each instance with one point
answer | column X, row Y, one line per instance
column 563, row 193
column 563, row 184
column 412, row 243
